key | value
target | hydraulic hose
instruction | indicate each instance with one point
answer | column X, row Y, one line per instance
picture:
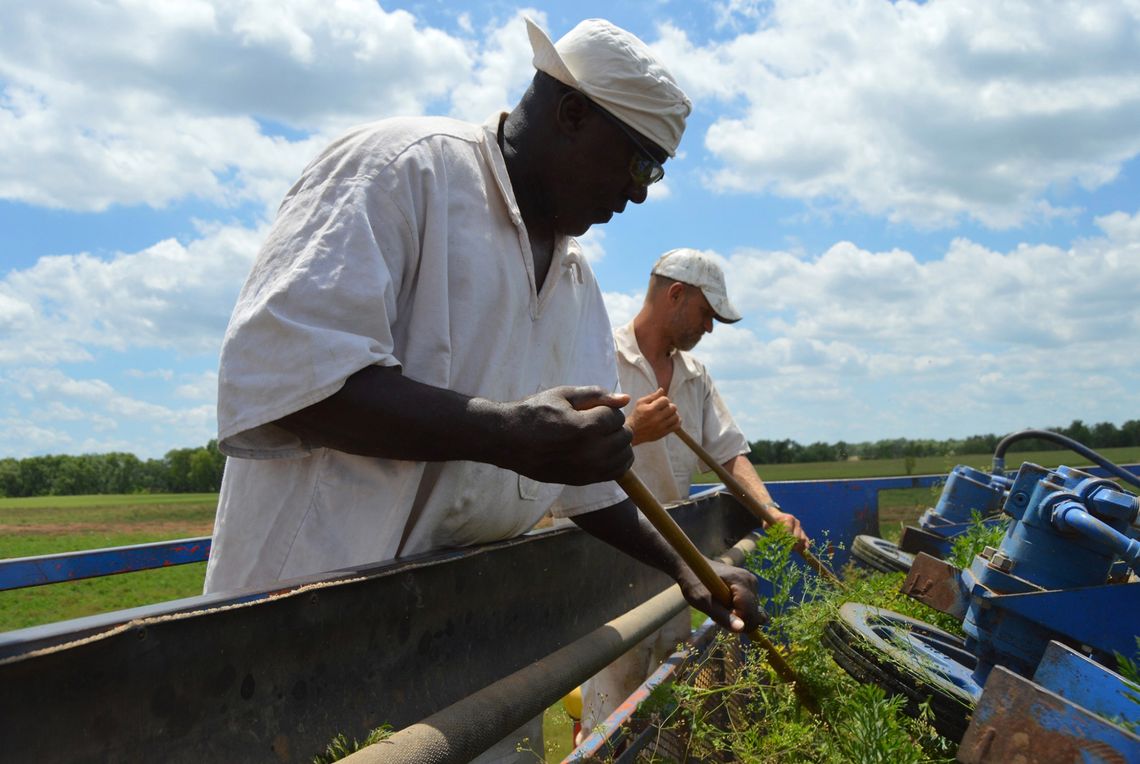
column 1063, row 440
column 1071, row 516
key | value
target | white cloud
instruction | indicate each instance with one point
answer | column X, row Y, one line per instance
column 163, row 374
column 731, row 13
column 148, row 103
column 659, row 191
column 593, row 244
column 58, row 411
column 199, row 387
column 1034, row 296
column 169, row 295
column 502, row 71
column 922, row 113
column 21, row 437
column 50, row 411
column 622, row 307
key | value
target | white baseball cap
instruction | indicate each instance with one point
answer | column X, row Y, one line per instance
column 691, row 266
column 617, row 71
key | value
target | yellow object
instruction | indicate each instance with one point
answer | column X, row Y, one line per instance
column 572, row 702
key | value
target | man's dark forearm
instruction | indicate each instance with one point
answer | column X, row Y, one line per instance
column 380, row 412
column 622, row 526
column 571, row 435
column 625, row 528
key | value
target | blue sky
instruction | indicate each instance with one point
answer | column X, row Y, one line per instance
column 929, row 213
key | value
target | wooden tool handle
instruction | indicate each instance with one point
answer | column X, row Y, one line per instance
column 761, row 512
column 668, row 528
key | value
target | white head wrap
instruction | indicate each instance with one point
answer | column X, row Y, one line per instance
column 616, row 70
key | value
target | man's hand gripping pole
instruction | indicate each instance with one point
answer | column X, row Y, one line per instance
column 683, row 545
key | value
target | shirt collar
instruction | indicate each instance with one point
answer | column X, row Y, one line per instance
column 685, row 365
column 498, row 164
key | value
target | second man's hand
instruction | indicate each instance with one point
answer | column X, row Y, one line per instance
column 653, row 417
column 792, row 524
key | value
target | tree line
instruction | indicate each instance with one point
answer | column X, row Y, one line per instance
column 1102, row 435
column 199, row 470
column 183, row 470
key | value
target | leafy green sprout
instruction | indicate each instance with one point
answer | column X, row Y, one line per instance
column 340, row 747
column 979, row 535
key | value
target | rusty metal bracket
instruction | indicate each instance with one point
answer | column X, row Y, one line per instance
column 1020, row 720
column 938, row 584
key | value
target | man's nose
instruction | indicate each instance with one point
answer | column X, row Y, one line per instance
column 637, row 193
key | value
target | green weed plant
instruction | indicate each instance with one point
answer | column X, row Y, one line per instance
column 976, row 538
column 1129, row 668
column 340, row 746
column 754, row 719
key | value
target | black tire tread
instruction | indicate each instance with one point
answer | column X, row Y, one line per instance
column 866, row 550
column 865, row 664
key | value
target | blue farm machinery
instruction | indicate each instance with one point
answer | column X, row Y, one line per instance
column 968, row 494
column 1050, row 616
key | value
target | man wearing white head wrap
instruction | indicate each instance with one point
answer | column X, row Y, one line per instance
column 421, row 358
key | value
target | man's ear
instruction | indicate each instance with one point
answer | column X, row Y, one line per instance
column 573, row 112
column 676, row 291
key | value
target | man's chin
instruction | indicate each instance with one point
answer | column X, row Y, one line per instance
column 579, row 226
column 574, row 229
column 688, row 344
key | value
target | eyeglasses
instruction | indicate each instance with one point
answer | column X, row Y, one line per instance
column 644, row 169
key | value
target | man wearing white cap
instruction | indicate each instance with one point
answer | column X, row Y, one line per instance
column 421, row 358
column 671, row 389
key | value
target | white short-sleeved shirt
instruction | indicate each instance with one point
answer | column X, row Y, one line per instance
column 667, row 465
column 401, row 245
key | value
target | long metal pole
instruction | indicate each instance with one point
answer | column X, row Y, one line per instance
column 693, row 557
column 470, row 726
column 750, row 502
column 463, row 730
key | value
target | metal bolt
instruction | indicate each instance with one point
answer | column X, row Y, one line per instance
column 1001, row 562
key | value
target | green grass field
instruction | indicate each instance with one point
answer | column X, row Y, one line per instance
column 53, row 524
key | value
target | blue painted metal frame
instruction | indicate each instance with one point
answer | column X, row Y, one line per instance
column 1088, row 684
column 1058, row 717
column 19, row 572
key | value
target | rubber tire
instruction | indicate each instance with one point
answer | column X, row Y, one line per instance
column 867, row 658
column 881, row 555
